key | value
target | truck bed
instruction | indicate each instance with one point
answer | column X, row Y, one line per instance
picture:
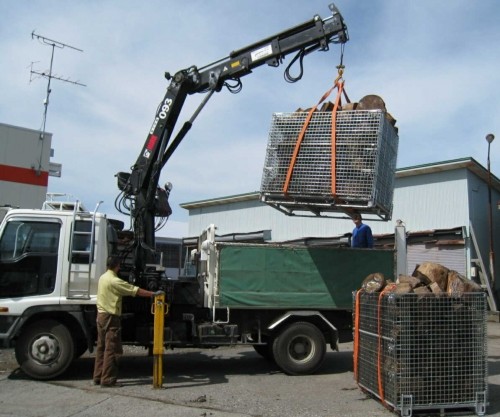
column 292, row 277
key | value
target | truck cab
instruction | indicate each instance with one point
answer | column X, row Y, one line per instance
column 50, row 262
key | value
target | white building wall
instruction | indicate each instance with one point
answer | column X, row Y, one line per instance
column 431, row 201
column 248, row 216
column 24, row 166
column 22, row 195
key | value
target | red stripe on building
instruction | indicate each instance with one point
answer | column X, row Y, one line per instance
column 23, row 175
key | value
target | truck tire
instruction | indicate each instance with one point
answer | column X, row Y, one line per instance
column 299, row 349
column 45, row 349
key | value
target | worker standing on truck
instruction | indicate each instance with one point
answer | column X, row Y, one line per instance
column 110, row 291
column 362, row 234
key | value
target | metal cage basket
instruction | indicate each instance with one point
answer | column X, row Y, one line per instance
column 363, row 167
column 422, row 351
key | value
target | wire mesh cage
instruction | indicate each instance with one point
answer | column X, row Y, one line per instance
column 361, row 170
column 422, row 352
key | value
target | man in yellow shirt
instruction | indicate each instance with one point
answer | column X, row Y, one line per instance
column 110, row 291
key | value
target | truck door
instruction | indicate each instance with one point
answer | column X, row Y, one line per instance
column 28, row 257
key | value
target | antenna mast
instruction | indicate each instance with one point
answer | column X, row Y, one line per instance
column 54, row 44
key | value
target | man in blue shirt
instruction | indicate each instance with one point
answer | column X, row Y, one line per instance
column 362, row 234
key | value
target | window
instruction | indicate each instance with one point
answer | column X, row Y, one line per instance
column 28, row 258
column 20, row 238
column 171, row 254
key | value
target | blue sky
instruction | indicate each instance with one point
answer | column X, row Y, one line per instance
column 435, row 63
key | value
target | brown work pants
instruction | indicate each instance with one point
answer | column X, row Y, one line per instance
column 109, row 347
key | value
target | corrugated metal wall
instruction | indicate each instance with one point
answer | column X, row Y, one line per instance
column 451, row 256
column 432, row 201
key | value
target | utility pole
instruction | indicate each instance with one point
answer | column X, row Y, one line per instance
column 489, row 138
column 49, row 75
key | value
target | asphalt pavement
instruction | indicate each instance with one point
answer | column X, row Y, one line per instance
column 225, row 382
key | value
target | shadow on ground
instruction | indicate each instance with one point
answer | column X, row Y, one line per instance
column 193, row 368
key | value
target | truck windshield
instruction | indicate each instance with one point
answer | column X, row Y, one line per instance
column 28, row 258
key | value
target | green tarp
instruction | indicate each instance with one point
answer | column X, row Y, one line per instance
column 268, row 276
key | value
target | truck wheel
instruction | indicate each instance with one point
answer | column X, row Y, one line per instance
column 45, row 349
column 299, row 349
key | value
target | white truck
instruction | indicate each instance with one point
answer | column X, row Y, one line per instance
column 288, row 301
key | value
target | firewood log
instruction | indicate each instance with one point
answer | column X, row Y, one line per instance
column 402, row 288
column 434, row 272
column 374, row 282
column 371, row 102
column 349, row 106
column 422, row 290
column 327, row 106
column 413, row 281
column 458, row 285
column 434, row 287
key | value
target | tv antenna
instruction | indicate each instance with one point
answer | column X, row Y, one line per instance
column 49, row 75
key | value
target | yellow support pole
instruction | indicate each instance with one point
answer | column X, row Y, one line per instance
column 159, row 309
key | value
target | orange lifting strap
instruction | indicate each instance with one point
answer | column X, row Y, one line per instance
column 356, row 336
column 339, row 85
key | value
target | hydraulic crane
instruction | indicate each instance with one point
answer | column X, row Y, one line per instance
column 140, row 192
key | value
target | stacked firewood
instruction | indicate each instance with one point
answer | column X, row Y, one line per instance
column 427, row 278
column 369, row 102
column 422, row 337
